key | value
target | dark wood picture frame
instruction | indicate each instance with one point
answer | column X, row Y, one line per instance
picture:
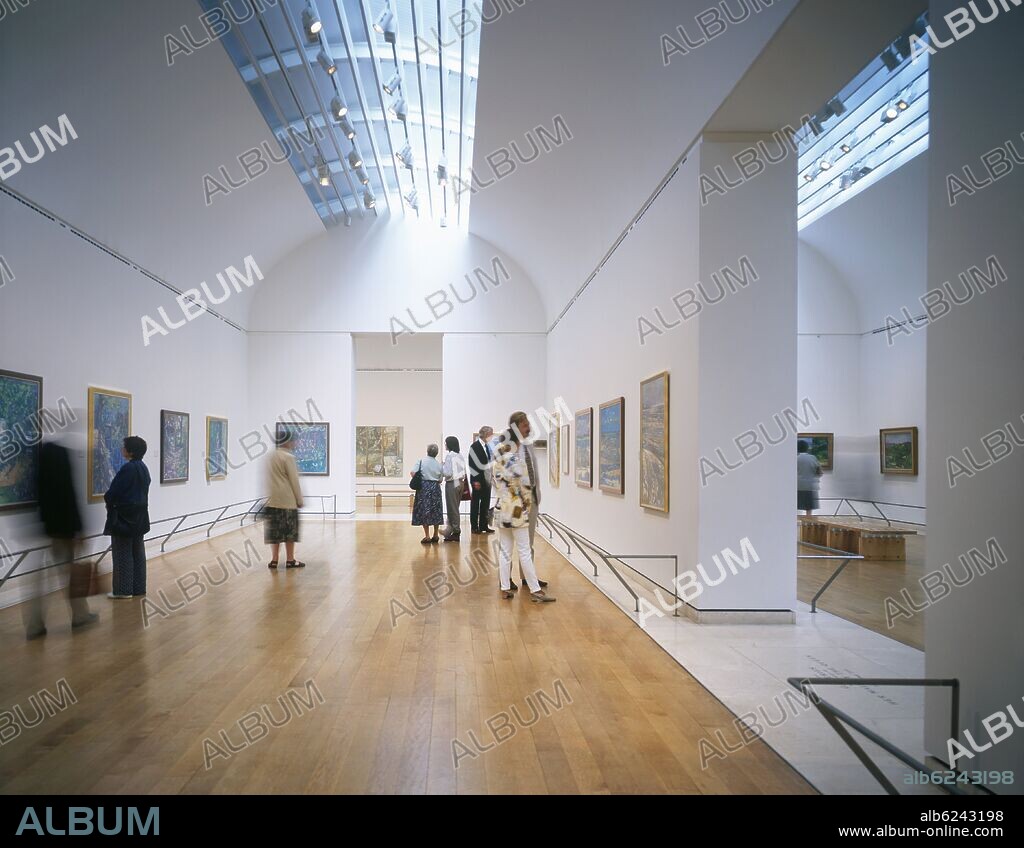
column 296, row 426
column 620, row 402
column 38, row 381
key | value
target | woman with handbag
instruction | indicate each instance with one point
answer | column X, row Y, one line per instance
column 127, row 524
column 428, row 509
column 456, row 488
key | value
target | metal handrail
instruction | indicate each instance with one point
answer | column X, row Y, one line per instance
column 875, row 504
column 251, row 510
column 830, row 553
column 559, row 527
column 833, row 715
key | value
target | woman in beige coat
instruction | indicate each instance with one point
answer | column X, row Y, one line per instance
column 283, row 505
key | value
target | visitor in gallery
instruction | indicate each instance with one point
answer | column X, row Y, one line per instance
column 454, row 469
column 808, row 472
column 281, row 512
column 521, row 422
column 480, row 455
column 62, row 524
column 127, row 524
column 427, row 509
column 513, row 484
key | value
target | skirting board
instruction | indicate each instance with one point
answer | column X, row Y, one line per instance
column 739, row 616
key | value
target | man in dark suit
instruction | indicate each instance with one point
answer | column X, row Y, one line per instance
column 62, row 522
column 480, row 481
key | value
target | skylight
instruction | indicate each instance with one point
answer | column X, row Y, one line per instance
column 878, row 122
column 375, row 100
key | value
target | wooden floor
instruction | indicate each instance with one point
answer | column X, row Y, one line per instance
column 394, row 698
column 859, row 593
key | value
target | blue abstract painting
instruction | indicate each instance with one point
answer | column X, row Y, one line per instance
column 312, row 446
column 174, row 435
column 21, row 399
column 216, row 448
column 110, row 423
column 610, row 475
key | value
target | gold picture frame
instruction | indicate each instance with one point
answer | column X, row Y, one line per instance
column 654, row 442
column 897, row 450
column 214, row 472
column 583, row 446
column 611, row 446
column 110, row 410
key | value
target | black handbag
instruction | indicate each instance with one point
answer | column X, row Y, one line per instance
column 416, row 483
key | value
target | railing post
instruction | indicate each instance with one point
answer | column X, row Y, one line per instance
column 103, row 554
column 218, row 518
column 163, row 544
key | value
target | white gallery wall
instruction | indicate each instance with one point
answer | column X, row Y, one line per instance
column 73, row 315
column 312, row 375
column 858, row 265
column 487, row 377
column 976, row 387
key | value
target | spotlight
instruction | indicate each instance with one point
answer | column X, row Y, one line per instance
column 311, row 20
column 348, row 221
column 323, row 171
column 847, row 180
column 385, row 25
column 338, row 108
column 442, row 173
column 399, row 110
column 444, row 220
column 808, row 177
column 345, row 125
column 405, row 156
column 890, row 114
column 902, row 105
column 326, row 62
column 824, row 164
column 393, row 84
column 354, row 159
column 413, row 199
column 836, row 106
column 369, row 201
column 845, row 147
column 890, row 59
column 364, row 177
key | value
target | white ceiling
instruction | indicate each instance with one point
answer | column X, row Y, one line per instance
column 146, row 135
column 598, row 64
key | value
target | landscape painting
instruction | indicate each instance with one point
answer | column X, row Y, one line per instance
column 898, row 449
column 654, row 442
column 216, row 448
column 312, row 446
column 21, row 402
column 174, row 436
column 554, row 459
column 110, row 423
column 611, row 446
column 379, row 452
column 819, row 444
column 563, row 445
column 585, row 448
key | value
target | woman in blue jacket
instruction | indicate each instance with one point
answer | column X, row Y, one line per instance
column 128, row 521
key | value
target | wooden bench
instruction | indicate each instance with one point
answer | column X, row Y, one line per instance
column 887, row 545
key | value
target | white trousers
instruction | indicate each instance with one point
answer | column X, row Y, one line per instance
column 521, row 535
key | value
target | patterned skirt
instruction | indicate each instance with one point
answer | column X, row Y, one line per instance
column 428, row 508
column 280, row 525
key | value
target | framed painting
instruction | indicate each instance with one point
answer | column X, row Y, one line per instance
column 611, row 446
column 563, row 446
column 897, row 447
column 379, row 451
column 654, row 460
column 820, row 445
column 21, row 404
column 312, row 446
column 174, row 439
column 216, row 448
column 554, row 457
column 584, row 448
column 110, row 423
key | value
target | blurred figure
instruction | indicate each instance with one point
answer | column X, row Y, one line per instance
column 283, row 504
column 512, row 513
column 480, row 455
column 521, row 422
column 127, row 524
column 427, row 509
column 808, row 472
column 62, row 523
column 454, row 469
